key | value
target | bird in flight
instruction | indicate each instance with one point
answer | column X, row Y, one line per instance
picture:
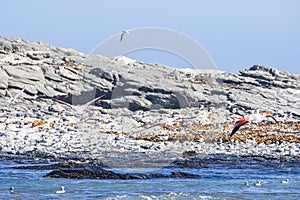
column 13, row 99
column 123, row 34
column 78, row 109
column 169, row 123
column 253, row 118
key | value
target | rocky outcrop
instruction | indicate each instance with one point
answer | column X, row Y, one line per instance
column 93, row 170
column 47, row 71
column 106, row 174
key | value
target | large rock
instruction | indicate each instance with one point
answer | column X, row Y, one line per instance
column 32, row 73
column 47, row 71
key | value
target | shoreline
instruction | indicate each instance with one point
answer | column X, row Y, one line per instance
column 59, row 135
column 100, row 148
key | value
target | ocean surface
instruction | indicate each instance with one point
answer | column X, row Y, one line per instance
column 216, row 182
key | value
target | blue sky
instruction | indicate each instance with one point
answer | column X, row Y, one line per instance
column 235, row 33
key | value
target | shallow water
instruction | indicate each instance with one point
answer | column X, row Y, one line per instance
column 216, row 182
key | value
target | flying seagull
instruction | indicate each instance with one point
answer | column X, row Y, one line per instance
column 13, row 99
column 78, row 109
column 123, row 34
column 253, row 118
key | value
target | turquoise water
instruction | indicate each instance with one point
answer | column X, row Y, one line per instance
column 219, row 182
